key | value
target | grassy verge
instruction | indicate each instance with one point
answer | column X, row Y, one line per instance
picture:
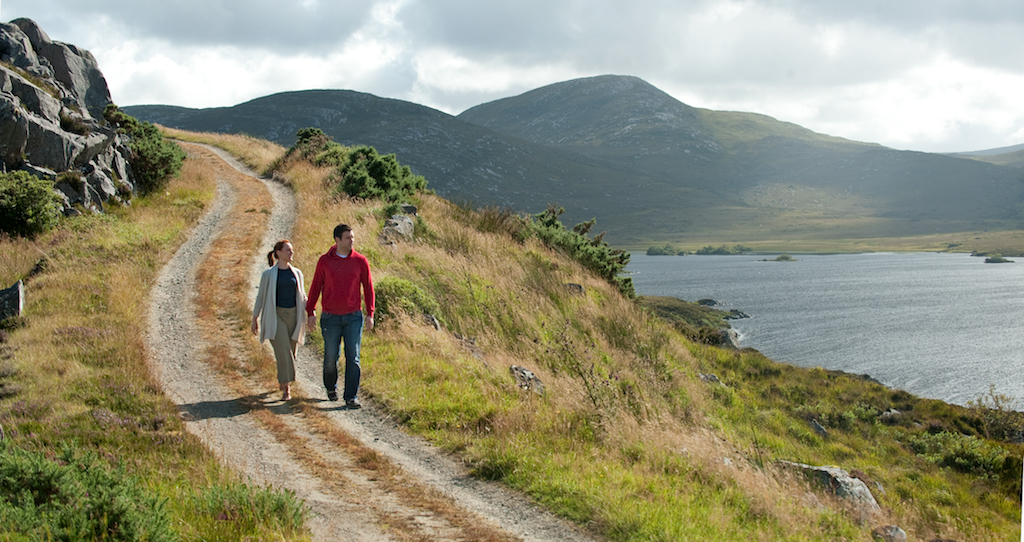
column 75, row 373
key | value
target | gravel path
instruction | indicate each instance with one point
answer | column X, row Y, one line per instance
column 232, row 431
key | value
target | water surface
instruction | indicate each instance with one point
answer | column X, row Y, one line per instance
column 943, row 326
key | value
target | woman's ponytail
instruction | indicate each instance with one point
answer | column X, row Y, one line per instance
column 277, row 246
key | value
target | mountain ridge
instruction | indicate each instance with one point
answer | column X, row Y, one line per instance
column 647, row 166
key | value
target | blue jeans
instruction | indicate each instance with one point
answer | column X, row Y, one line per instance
column 335, row 328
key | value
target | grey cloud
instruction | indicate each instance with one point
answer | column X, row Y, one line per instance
column 268, row 24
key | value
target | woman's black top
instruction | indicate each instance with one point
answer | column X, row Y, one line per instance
column 287, row 287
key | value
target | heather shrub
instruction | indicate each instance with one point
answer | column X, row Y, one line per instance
column 28, row 205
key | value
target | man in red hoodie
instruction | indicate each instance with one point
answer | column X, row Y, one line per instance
column 339, row 275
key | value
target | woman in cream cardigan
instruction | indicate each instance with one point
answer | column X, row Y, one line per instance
column 280, row 301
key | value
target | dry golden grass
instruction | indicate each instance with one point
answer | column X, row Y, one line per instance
column 258, row 154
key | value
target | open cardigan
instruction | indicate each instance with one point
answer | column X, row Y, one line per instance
column 266, row 303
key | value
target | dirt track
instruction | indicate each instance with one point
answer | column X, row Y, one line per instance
column 347, row 503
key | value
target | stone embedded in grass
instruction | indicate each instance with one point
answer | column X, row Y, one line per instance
column 526, row 380
column 838, row 482
column 12, row 301
column 710, row 378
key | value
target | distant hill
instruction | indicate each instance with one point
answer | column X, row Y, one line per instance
column 647, row 166
column 767, row 174
column 993, row 152
column 1003, row 156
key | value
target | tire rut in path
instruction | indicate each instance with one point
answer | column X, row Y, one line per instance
column 235, row 434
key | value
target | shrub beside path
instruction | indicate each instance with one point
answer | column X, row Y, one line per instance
column 361, row 475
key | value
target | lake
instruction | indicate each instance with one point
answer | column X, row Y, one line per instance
column 943, row 326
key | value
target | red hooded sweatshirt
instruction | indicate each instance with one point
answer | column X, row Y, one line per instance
column 339, row 280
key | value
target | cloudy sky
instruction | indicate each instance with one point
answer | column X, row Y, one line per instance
column 928, row 75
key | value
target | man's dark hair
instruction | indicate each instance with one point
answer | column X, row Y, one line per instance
column 340, row 229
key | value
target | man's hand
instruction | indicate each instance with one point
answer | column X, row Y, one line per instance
column 369, row 323
column 311, row 322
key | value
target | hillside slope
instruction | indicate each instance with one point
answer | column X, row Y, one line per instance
column 630, row 435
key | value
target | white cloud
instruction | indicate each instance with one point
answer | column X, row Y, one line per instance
column 912, row 74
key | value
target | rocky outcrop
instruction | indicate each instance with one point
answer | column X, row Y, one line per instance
column 52, row 97
column 398, row 228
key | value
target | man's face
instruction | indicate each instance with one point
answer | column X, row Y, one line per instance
column 346, row 242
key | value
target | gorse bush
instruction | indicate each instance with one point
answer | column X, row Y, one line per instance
column 367, row 174
column 595, row 254
column 154, row 159
column 360, row 172
column 28, row 205
column 75, row 497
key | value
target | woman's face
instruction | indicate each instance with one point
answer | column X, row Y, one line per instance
column 285, row 253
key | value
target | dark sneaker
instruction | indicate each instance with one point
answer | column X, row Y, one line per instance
column 353, row 403
column 332, row 396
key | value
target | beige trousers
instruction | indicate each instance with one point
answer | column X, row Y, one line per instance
column 284, row 347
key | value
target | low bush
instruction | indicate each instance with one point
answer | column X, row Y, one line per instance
column 999, row 415
column 962, row 453
column 395, row 295
column 593, row 253
column 366, row 174
column 74, row 124
column 360, row 172
column 28, row 205
column 154, row 159
column 75, row 497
